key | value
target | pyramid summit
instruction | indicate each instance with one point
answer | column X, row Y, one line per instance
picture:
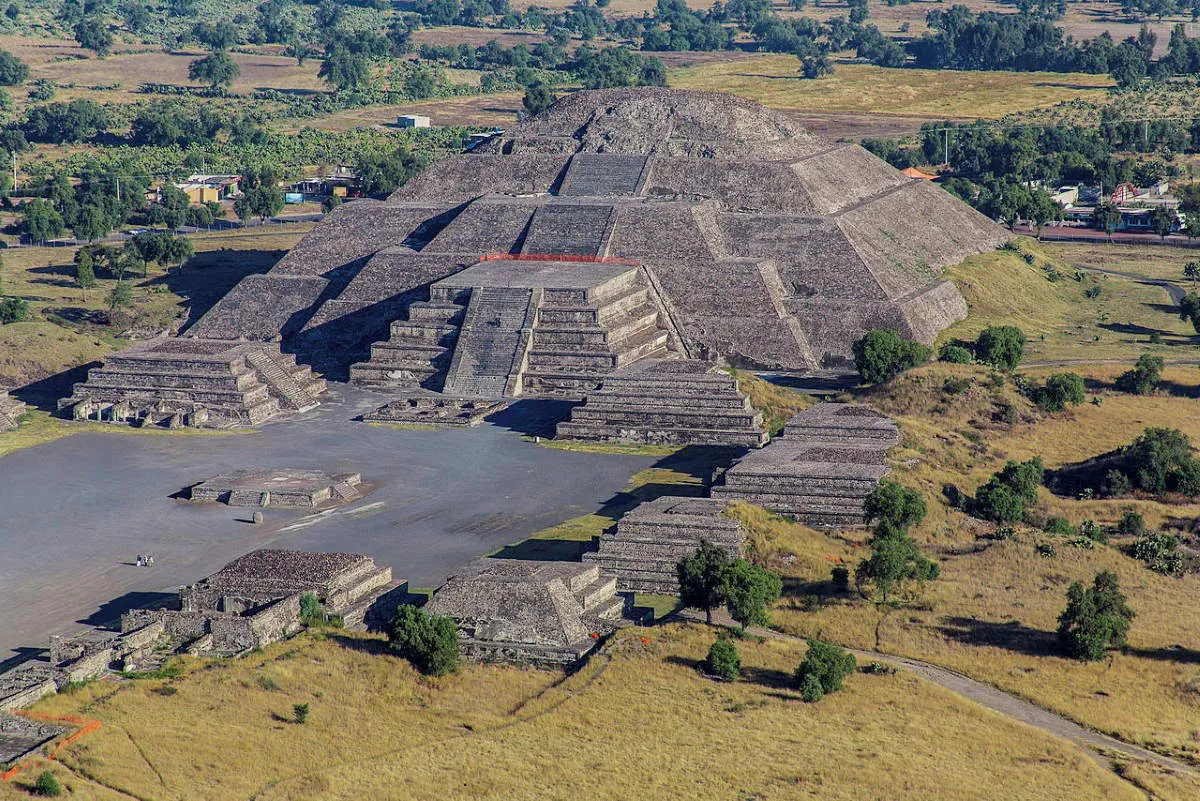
column 617, row 225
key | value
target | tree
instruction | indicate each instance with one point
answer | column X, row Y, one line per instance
column 121, row 296
column 1001, row 346
column 93, row 34
column 343, row 70
column 1096, row 619
column 538, row 98
column 1191, row 272
column 420, row 83
column 723, row 660
column 702, row 578
column 1163, row 221
column 41, row 221
column 13, row 71
column 1189, row 309
column 1158, row 460
column 998, row 502
column 429, row 642
column 300, row 713
column 748, row 590
column 215, row 69
column 85, row 273
column 894, row 504
column 894, row 560
column 1106, row 217
column 813, row 67
column 58, row 123
column 826, row 667
column 883, row 354
column 1144, row 376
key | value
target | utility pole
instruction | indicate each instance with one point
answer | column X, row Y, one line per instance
column 947, row 147
column 118, row 180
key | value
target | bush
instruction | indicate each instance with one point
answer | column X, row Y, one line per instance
column 47, row 785
column 1001, row 346
column 1060, row 526
column 299, row 712
column 1132, row 525
column 429, row 642
column 1144, row 376
column 840, row 579
column 826, row 667
column 1160, row 460
column 895, row 504
column 1091, row 530
column 1060, row 391
column 13, row 310
column 723, row 660
column 995, row 501
column 1160, row 552
column 1115, row 484
column 884, row 354
column 956, row 354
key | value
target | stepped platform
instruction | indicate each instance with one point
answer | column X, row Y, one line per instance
column 607, row 175
column 543, row 613
column 645, row 546
column 830, row 458
column 287, row 488
column 194, row 382
column 514, row 325
column 21, row 736
column 667, row 402
column 435, row 410
column 11, row 410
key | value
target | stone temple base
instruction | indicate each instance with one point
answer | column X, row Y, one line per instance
column 288, row 488
column 435, row 410
column 11, row 410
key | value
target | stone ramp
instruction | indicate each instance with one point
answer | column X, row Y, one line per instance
column 570, row 229
column 647, row 543
column 829, row 460
column 670, row 402
column 493, row 341
column 603, row 175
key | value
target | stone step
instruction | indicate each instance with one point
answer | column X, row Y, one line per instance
column 345, row 491
column 285, row 387
column 607, row 398
column 435, row 312
column 661, row 436
column 598, row 592
column 603, row 175
column 680, row 416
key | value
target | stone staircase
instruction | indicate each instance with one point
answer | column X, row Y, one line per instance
column 581, row 337
column 419, row 350
column 292, row 392
column 346, row 492
column 830, row 458
column 668, row 402
column 492, row 342
column 569, row 228
column 603, row 175
column 194, row 382
column 644, row 548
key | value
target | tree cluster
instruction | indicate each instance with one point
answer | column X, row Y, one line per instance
column 1005, row 497
column 823, row 671
column 1096, row 619
column 895, row 561
column 429, row 642
column 883, row 354
column 711, row 578
column 1144, row 377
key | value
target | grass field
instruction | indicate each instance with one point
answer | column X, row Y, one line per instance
column 1058, row 318
column 639, row 722
column 60, row 335
column 1151, row 261
column 774, row 81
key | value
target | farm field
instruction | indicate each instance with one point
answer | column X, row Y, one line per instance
column 638, row 715
column 774, row 81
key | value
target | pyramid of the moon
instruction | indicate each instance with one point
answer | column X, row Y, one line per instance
column 616, row 225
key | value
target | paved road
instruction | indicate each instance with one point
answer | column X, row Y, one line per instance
column 76, row 511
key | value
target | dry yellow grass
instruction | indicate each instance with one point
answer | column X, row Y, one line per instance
column 637, row 723
column 775, row 402
column 774, row 82
column 1058, row 319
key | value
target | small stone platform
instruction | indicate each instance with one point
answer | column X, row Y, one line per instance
column 642, row 551
column 436, row 410
column 11, row 410
column 26, row 683
column 544, row 613
column 668, row 402
column 830, row 458
column 280, row 487
column 194, row 382
column 21, row 736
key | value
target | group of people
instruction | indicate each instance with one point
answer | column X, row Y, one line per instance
column 145, row 560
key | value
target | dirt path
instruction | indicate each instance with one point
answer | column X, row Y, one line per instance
column 1098, row 746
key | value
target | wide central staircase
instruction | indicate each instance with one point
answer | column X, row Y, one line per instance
column 509, row 341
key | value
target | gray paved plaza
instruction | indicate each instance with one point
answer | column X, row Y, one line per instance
column 76, row 512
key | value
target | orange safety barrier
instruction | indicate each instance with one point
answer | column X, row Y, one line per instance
column 557, row 257
column 86, row 726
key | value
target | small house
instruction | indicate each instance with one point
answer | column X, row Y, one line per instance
column 413, row 121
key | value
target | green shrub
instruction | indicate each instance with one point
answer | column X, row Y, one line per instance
column 1093, row 531
column 1132, row 525
column 1096, row 619
column 956, row 354
column 996, row 501
column 1060, row 526
column 894, row 504
column 840, row 578
column 13, row 310
column 723, row 660
column 429, row 642
column 1115, row 484
column 1060, row 391
column 1160, row 460
column 1160, row 552
column 827, row 665
column 811, row 690
column 1144, row 376
column 299, row 712
column 1046, row 549
column 47, row 785
column 883, row 354
column 1001, row 346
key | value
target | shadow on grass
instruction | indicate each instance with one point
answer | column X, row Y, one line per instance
column 43, row 395
column 769, row 677
column 1012, row 636
column 1170, row 653
column 548, row 550
column 207, row 277
column 366, row 646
